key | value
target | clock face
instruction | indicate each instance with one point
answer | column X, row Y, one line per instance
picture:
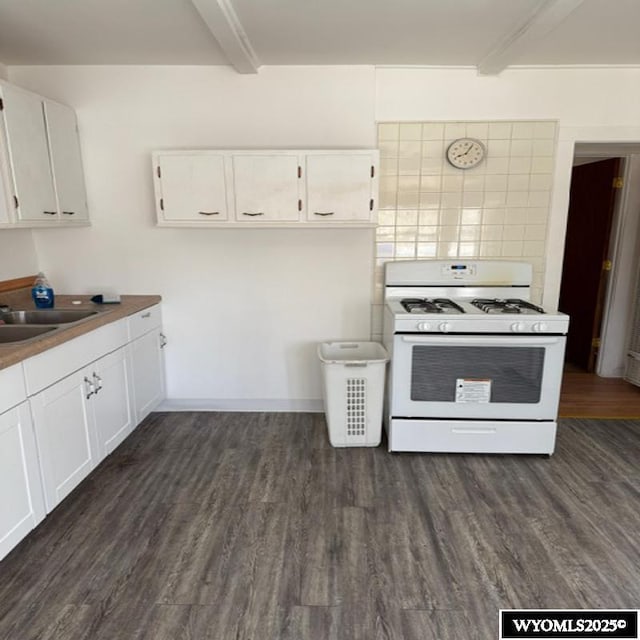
column 465, row 153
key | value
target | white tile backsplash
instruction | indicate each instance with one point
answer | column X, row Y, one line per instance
column 429, row 209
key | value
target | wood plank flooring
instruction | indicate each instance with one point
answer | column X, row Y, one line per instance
column 586, row 395
column 218, row 526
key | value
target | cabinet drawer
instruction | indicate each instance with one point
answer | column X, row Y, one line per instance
column 144, row 321
column 12, row 389
column 50, row 366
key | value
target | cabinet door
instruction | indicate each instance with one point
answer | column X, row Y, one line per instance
column 65, row 435
column 29, row 155
column 266, row 187
column 112, row 408
column 21, row 501
column 339, row 187
column 147, row 370
column 191, row 187
column 66, row 162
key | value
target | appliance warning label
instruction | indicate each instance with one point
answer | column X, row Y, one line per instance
column 476, row 390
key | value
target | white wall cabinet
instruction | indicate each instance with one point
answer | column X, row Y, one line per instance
column 341, row 187
column 192, row 187
column 266, row 188
column 147, row 361
column 21, row 500
column 43, row 163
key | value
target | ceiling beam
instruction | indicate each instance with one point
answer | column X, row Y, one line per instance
column 224, row 24
column 546, row 16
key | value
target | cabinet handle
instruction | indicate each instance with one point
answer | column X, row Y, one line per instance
column 146, row 315
column 69, row 213
column 209, row 213
column 259, row 213
column 49, row 213
column 98, row 382
column 163, row 341
column 323, row 213
column 90, row 388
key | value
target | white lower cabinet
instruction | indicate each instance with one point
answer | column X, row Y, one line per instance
column 65, row 434
column 79, row 421
column 21, row 502
column 147, row 369
column 64, row 410
column 111, row 402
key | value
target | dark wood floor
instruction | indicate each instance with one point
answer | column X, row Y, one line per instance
column 250, row 526
column 586, row 395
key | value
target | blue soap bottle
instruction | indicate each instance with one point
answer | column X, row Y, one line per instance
column 42, row 293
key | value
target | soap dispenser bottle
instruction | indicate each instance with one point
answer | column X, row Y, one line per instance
column 42, row 293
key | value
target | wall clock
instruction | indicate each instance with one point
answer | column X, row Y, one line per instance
column 465, row 153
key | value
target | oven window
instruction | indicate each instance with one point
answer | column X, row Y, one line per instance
column 515, row 373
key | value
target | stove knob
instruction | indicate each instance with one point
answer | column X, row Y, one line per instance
column 445, row 327
column 540, row 327
column 518, row 327
column 423, row 326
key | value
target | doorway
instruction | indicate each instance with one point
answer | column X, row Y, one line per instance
column 587, row 264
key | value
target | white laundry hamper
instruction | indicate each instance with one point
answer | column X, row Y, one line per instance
column 353, row 386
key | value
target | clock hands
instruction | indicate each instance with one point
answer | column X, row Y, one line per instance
column 466, row 152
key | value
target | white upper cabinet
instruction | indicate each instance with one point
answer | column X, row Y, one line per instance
column 191, row 187
column 277, row 188
column 26, row 134
column 267, row 188
column 42, row 166
column 341, row 186
column 66, row 161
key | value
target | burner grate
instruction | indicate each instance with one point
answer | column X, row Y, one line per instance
column 508, row 305
column 431, row 305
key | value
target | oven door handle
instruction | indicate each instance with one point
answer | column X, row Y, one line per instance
column 457, row 341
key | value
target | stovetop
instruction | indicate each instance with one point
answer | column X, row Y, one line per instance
column 485, row 305
column 437, row 314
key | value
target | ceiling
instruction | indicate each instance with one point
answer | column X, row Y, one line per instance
column 488, row 34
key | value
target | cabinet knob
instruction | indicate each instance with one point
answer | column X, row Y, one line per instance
column 163, row 341
column 90, row 389
column 69, row 213
column 209, row 213
column 49, row 213
column 258, row 213
column 98, row 382
column 323, row 213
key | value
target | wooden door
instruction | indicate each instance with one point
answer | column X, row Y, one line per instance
column 585, row 267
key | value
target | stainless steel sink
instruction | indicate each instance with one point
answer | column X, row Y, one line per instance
column 9, row 333
column 45, row 316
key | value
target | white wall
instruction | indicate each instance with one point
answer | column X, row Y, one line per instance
column 243, row 309
column 17, row 254
column 591, row 104
column 3, row 71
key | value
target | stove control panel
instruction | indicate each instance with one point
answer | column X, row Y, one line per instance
column 495, row 324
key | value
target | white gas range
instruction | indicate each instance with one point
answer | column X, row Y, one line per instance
column 475, row 366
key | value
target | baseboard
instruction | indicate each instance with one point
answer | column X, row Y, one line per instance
column 240, row 404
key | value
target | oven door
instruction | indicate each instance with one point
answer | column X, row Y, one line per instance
column 476, row 376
